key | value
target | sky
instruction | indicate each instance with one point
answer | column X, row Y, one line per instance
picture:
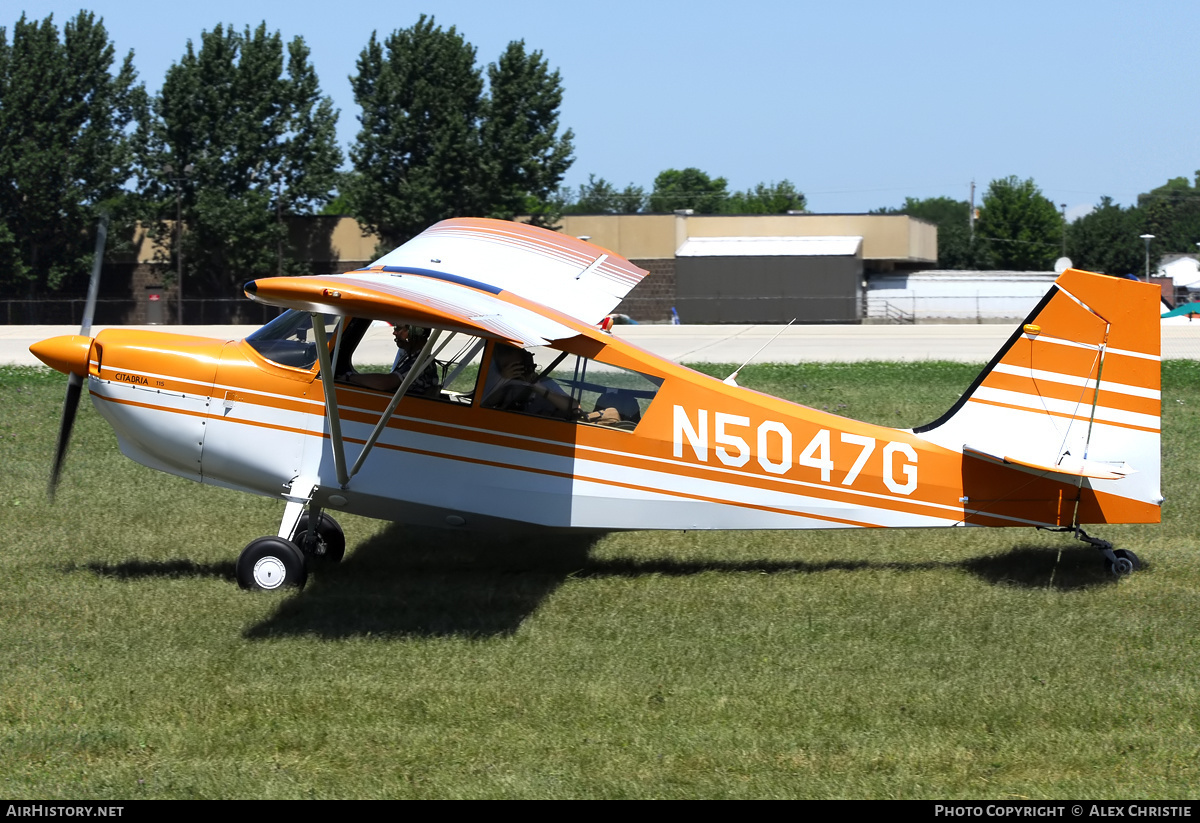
column 859, row 104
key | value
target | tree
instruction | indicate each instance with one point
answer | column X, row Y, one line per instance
column 65, row 149
column 688, row 189
column 767, row 198
column 433, row 146
column 1172, row 215
column 237, row 142
column 598, row 196
column 1020, row 225
column 1108, row 240
column 418, row 153
column 957, row 249
column 524, row 157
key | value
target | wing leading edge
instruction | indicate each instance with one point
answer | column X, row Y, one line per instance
column 425, row 299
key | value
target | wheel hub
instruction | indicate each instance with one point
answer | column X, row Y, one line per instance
column 269, row 573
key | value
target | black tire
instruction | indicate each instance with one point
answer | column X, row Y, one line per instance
column 331, row 541
column 1127, row 563
column 271, row 563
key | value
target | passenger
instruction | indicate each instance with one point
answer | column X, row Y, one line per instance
column 409, row 340
column 512, row 385
column 615, row 407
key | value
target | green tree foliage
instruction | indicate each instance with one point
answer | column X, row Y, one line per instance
column 417, row 156
column 433, row 146
column 239, row 140
column 957, row 249
column 767, row 198
column 1172, row 214
column 65, row 149
column 688, row 189
column 1022, row 228
column 1107, row 240
column 524, row 158
column 598, row 196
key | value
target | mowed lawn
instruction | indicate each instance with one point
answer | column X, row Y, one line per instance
column 907, row 664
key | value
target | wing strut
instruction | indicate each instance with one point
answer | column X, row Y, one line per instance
column 331, row 406
column 423, row 360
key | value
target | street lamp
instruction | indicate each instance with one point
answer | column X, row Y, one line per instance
column 186, row 171
column 1147, row 238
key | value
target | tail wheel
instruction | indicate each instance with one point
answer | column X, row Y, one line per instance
column 330, row 543
column 270, row 563
column 1124, row 562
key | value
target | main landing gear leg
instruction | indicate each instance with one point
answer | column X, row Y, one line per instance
column 281, row 561
column 1121, row 562
column 320, row 537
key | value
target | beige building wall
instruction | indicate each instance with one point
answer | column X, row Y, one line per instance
column 633, row 236
column 347, row 241
column 895, row 237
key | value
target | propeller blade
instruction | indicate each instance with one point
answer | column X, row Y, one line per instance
column 70, row 405
column 75, row 381
column 89, row 309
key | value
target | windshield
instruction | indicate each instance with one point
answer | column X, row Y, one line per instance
column 288, row 339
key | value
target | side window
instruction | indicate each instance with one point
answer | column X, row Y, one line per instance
column 378, row 356
column 459, row 361
column 289, row 340
column 567, row 387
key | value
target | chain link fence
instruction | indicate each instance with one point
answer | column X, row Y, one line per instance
column 68, row 311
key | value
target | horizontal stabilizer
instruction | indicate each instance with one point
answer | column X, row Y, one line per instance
column 1066, row 470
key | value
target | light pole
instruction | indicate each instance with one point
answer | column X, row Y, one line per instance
column 1147, row 238
column 186, row 171
column 1064, row 219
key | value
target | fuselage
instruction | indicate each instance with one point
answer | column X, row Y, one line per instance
column 704, row 455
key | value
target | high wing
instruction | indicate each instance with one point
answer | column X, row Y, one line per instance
column 424, row 298
column 508, row 281
column 556, row 270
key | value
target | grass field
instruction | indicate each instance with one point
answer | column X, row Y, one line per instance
column 907, row 664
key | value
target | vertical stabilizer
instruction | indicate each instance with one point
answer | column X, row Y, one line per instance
column 1073, row 396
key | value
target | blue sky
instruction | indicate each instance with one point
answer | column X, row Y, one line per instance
column 860, row 104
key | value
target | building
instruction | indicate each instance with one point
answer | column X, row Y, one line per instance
column 710, row 268
column 764, row 268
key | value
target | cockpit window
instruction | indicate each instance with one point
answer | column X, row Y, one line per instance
column 568, row 387
column 288, row 339
column 377, row 356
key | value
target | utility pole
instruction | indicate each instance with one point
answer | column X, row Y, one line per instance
column 972, row 213
column 1064, row 219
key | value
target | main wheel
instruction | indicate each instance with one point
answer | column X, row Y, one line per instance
column 1126, row 563
column 330, row 546
column 270, row 563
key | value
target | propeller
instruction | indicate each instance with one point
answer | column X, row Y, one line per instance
column 74, row 379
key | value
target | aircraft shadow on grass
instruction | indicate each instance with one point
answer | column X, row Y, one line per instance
column 424, row 582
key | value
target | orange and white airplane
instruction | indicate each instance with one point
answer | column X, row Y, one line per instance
column 1060, row 430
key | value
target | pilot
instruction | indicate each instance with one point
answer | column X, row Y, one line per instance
column 512, row 385
column 615, row 407
column 409, row 340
